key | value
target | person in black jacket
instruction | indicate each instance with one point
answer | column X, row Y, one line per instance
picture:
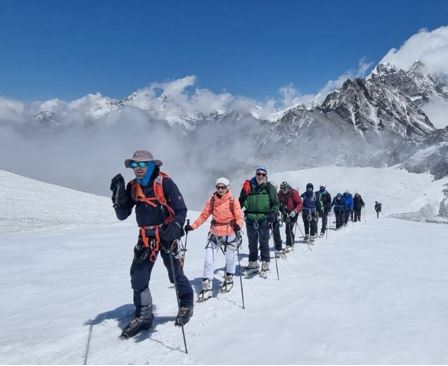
column 160, row 212
column 309, row 212
column 339, row 210
column 377, row 209
column 323, row 201
column 358, row 204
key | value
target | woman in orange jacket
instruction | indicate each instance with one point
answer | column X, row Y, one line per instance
column 224, row 234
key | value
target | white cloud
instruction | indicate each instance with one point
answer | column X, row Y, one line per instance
column 291, row 96
column 11, row 110
column 437, row 111
column 429, row 47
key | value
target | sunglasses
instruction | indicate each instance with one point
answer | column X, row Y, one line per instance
column 221, row 187
column 140, row 164
column 261, row 174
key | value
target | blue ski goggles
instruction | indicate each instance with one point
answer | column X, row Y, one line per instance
column 140, row 164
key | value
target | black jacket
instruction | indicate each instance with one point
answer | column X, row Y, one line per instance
column 147, row 215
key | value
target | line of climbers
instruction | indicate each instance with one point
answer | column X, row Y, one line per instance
column 160, row 213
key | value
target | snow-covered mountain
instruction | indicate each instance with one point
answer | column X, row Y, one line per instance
column 373, row 121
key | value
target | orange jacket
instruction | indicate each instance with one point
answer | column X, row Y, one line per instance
column 222, row 215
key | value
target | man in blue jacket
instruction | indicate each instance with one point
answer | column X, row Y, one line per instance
column 348, row 201
column 160, row 212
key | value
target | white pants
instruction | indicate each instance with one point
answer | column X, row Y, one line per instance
column 214, row 245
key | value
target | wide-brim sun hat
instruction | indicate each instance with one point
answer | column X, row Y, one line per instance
column 142, row 155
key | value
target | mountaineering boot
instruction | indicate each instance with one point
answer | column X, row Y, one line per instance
column 141, row 322
column 228, row 283
column 281, row 253
column 307, row 237
column 184, row 315
column 252, row 268
column 289, row 248
column 264, row 269
column 322, row 234
column 206, row 292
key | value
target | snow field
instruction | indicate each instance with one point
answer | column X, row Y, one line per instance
column 374, row 292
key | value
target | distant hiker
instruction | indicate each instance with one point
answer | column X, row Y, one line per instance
column 160, row 212
column 339, row 210
column 290, row 206
column 348, row 201
column 377, row 209
column 323, row 200
column 358, row 204
column 259, row 200
column 309, row 212
column 224, row 235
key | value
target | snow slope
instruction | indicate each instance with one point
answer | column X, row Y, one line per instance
column 28, row 204
column 399, row 191
column 374, row 292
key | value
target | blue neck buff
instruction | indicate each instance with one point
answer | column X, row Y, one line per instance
column 149, row 170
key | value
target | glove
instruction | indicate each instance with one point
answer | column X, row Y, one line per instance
column 292, row 214
column 169, row 233
column 272, row 217
column 141, row 254
column 236, row 228
column 116, row 182
column 118, row 188
column 188, row 228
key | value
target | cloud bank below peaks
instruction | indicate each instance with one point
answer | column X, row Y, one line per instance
column 429, row 47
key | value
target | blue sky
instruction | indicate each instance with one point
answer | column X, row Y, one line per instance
column 66, row 49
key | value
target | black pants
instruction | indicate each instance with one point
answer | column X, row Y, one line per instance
column 324, row 216
column 340, row 218
column 310, row 221
column 141, row 275
column 348, row 213
column 289, row 231
column 357, row 215
column 258, row 231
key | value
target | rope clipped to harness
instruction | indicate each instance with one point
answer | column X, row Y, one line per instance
column 151, row 243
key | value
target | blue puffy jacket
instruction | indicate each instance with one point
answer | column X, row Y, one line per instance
column 348, row 201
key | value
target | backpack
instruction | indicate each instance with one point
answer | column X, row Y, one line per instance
column 159, row 195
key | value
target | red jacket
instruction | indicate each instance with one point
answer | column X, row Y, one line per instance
column 290, row 201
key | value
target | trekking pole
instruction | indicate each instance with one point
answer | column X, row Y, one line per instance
column 184, row 248
column 86, row 353
column 326, row 229
column 292, row 236
column 241, row 276
column 171, row 254
column 304, row 236
column 275, row 255
column 116, row 195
